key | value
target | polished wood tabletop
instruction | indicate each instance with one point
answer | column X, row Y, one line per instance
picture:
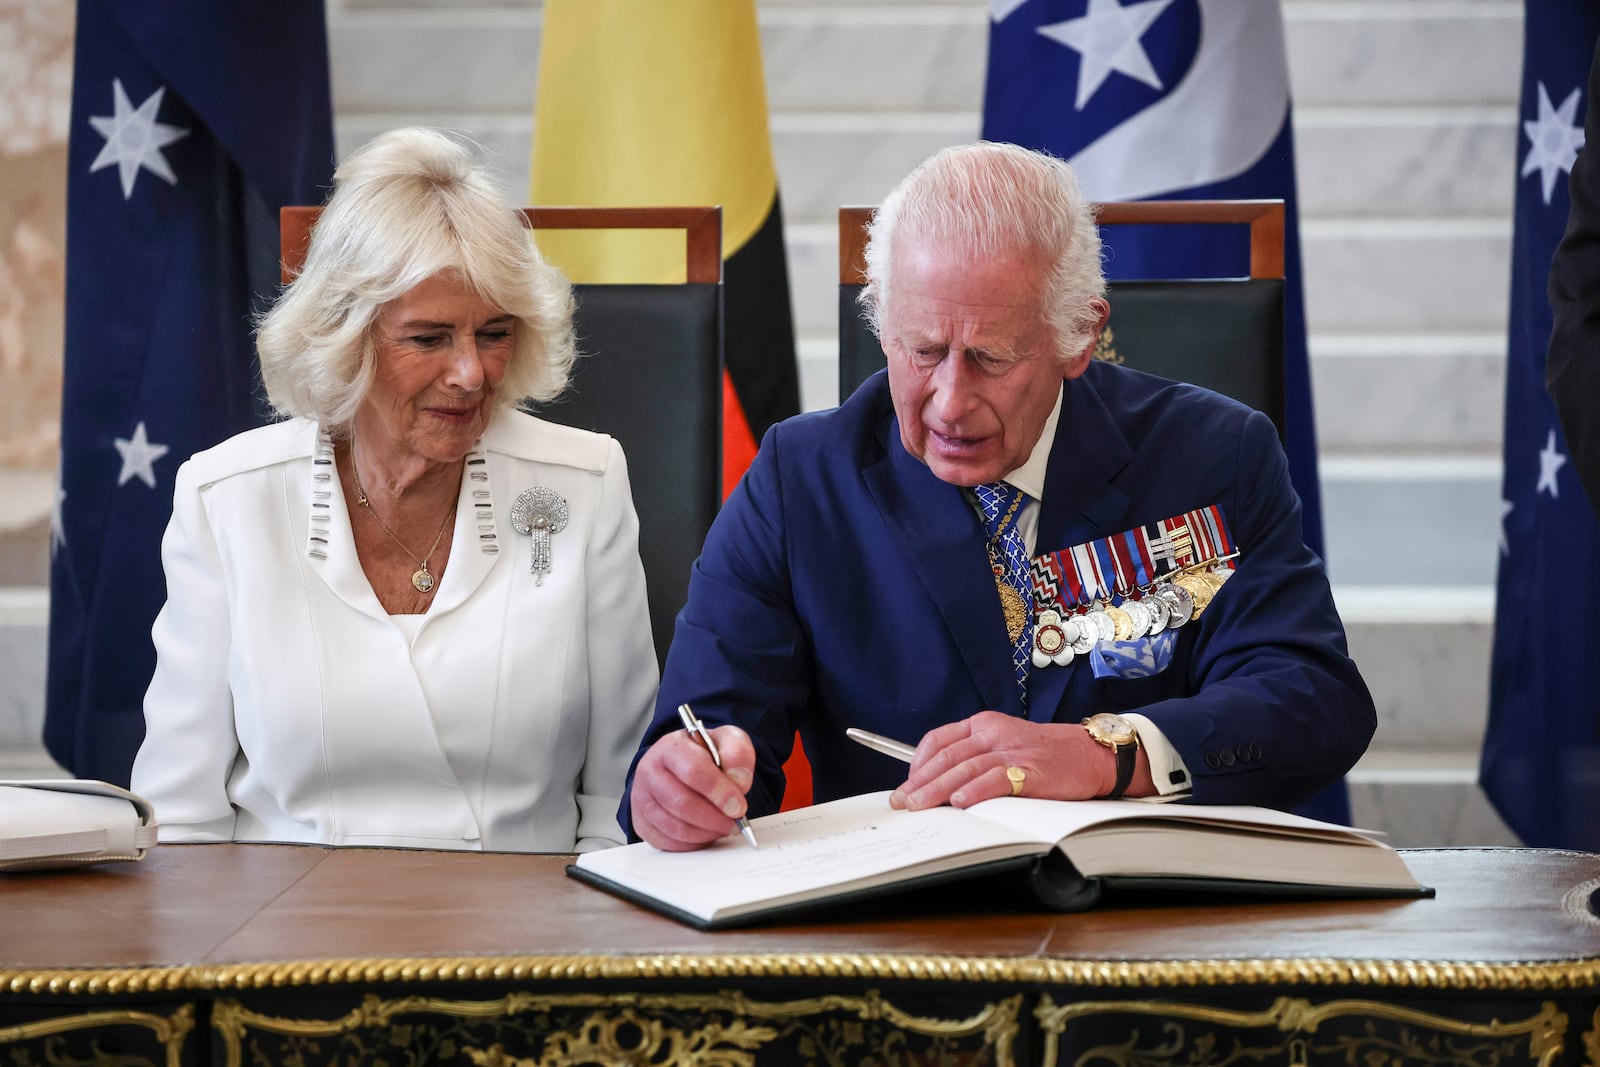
column 231, row 905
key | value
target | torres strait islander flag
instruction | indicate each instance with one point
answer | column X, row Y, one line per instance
column 665, row 104
column 1168, row 100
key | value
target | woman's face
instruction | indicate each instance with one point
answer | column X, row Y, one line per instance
column 441, row 351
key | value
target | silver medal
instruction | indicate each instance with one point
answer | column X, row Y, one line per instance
column 1103, row 627
column 1179, row 600
column 539, row 513
column 1084, row 635
column 1159, row 611
column 1138, row 618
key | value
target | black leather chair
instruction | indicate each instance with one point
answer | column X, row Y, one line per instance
column 650, row 376
column 1222, row 333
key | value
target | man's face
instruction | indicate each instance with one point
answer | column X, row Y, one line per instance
column 972, row 365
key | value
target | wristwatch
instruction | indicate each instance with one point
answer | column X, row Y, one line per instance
column 1117, row 734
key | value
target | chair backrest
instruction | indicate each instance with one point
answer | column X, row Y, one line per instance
column 650, row 376
column 1222, row 333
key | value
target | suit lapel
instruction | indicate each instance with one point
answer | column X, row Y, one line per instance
column 1081, row 503
column 332, row 548
column 1081, row 500
column 331, row 543
column 936, row 528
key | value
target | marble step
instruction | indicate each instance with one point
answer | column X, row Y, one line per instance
column 484, row 57
column 1425, row 800
column 24, row 629
column 1427, row 521
column 1406, row 394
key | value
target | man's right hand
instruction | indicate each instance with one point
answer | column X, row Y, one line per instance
column 681, row 800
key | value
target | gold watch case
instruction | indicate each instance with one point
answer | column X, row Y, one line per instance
column 1111, row 730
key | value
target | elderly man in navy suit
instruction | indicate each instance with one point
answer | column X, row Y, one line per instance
column 1055, row 577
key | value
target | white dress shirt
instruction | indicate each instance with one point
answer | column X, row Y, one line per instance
column 288, row 705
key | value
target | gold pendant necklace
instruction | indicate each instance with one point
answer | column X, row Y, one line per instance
column 421, row 579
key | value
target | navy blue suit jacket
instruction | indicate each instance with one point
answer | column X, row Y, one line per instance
column 844, row 585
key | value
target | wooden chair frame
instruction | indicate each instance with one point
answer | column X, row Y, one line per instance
column 702, row 227
column 1264, row 217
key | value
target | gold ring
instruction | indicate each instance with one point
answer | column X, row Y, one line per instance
column 1017, row 776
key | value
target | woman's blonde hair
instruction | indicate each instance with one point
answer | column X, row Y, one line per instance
column 409, row 204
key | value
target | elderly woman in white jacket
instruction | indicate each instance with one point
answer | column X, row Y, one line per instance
column 409, row 614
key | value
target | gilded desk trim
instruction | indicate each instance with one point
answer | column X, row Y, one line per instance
column 170, row 1031
column 655, row 1041
column 1112, row 974
column 1296, row 1021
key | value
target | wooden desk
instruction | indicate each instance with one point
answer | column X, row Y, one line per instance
column 263, row 953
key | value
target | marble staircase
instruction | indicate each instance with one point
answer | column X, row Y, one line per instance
column 1406, row 132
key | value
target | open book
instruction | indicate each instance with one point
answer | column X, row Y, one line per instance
column 1071, row 851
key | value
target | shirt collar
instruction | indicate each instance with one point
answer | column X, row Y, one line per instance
column 1030, row 476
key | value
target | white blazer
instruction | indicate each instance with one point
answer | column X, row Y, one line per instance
column 287, row 706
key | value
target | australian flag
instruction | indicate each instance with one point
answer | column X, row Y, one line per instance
column 1168, row 100
column 1541, row 752
column 192, row 122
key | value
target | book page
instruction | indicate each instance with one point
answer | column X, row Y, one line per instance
column 1128, row 838
column 1054, row 820
column 1209, row 850
column 811, row 853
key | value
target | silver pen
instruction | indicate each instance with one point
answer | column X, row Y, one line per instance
column 898, row 749
column 698, row 731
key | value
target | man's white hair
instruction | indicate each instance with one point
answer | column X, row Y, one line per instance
column 990, row 199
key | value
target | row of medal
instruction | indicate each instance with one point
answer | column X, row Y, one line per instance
column 1135, row 584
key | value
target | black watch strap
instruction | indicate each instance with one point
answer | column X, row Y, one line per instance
column 1127, row 756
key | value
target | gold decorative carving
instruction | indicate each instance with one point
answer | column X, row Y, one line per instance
column 1591, row 1041
column 1105, row 348
column 169, row 1030
column 1297, row 1021
column 1112, row 974
column 628, row 1028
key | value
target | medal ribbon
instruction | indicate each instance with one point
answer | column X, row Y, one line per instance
column 1073, row 578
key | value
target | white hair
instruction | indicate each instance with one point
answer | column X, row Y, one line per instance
column 990, row 199
column 408, row 205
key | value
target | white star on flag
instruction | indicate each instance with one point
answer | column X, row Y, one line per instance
column 137, row 456
column 1107, row 39
column 1506, row 507
column 1550, row 461
column 134, row 138
column 1556, row 138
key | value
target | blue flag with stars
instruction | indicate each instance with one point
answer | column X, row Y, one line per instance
column 192, row 122
column 1541, row 753
column 1169, row 100
column 1166, row 100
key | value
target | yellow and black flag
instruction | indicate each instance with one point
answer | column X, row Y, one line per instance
column 665, row 103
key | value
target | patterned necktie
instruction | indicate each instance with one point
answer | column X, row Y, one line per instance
column 1001, row 504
